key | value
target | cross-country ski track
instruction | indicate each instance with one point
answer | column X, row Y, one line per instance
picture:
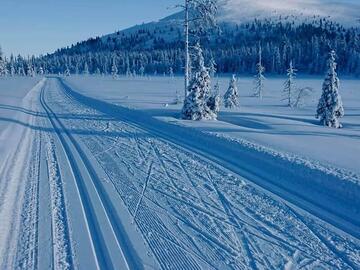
column 93, row 185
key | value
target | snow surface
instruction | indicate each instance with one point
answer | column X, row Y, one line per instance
column 267, row 122
column 91, row 184
column 12, row 92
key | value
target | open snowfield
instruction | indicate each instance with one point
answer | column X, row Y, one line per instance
column 267, row 122
column 103, row 175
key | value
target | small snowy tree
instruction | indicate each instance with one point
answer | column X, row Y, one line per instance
column 195, row 103
column 231, row 97
column 214, row 101
column 30, row 70
column 142, row 71
column 289, row 85
column 67, row 72
column 86, row 69
column 114, row 70
column 301, row 95
column 171, row 72
column 212, row 68
column 41, row 71
column 12, row 70
column 259, row 77
column 330, row 107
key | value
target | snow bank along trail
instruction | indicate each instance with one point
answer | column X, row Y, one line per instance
column 166, row 199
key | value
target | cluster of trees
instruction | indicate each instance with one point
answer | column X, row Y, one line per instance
column 203, row 103
column 20, row 66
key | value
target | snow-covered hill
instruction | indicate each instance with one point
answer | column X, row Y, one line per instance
column 344, row 12
column 298, row 31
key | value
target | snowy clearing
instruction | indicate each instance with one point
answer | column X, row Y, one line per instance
column 95, row 185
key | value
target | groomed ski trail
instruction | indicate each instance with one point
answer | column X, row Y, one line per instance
column 93, row 186
column 194, row 213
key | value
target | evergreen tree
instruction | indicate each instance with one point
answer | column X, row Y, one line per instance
column 195, row 103
column 259, row 77
column 289, row 85
column 231, row 97
column 330, row 107
column 114, row 69
column 214, row 101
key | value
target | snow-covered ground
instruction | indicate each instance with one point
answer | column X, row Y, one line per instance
column 12, row 94
column 267, row 122
column 94, row 185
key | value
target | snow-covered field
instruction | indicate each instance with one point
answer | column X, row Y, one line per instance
column 92, row 183
column 267, row 122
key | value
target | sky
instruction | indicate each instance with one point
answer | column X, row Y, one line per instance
column 42, row 26
column 37, row 27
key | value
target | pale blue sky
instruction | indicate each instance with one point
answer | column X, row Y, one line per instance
column 42, row 26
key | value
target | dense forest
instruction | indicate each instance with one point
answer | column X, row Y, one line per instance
column 234, row 48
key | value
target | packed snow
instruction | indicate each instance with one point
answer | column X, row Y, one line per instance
column 268, row 122
column 106, row 176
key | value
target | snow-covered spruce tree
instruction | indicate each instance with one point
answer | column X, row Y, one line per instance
column 330, row 107
column 203, row 14
column 289, row 85
column 195, row 103
column 214, row 101
column 114, row 69
column 231, row 97
column 259, row 77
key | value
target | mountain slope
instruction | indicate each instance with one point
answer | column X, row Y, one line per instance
column 290, row 33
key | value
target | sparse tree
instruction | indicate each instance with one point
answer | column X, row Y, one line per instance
column 142, row 71
column 114, row 69
column 171, row 72
column 330, row 108
column 289, row 85
column 231, row 97
column 259, row 77
column 301, row 95
column 214, row 101
column 41, row 71
column 67, row 72
column 86, row 69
